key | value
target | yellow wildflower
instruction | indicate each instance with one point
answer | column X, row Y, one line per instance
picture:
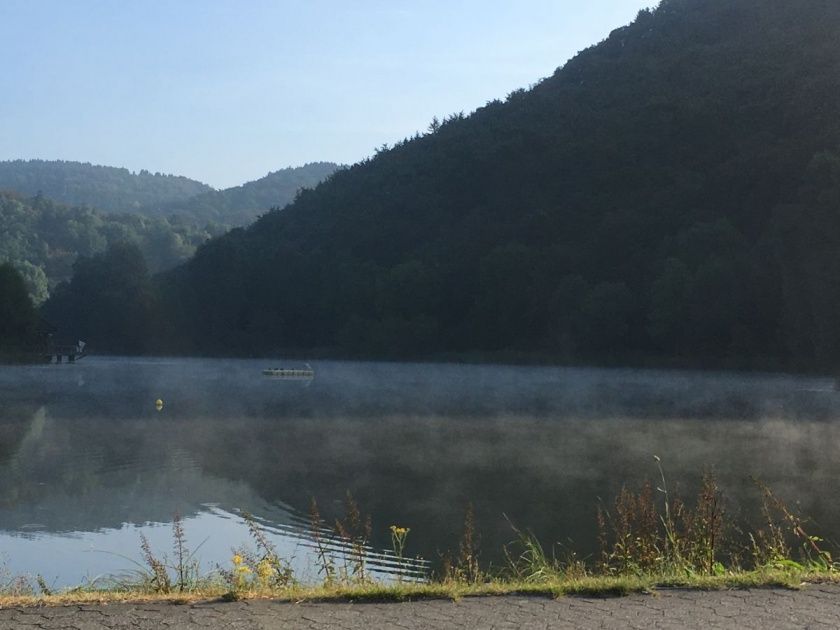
column 264, row 569
column 237, row 559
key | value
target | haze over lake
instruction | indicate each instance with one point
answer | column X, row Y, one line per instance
column 87, row 462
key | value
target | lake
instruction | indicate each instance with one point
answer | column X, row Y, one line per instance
column 87, row 462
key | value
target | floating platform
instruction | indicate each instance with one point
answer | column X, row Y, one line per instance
column 61, row 354
column 292, row 374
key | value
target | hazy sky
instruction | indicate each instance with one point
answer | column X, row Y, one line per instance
column 226, row 90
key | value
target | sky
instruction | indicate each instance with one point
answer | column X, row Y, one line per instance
column 225, row 91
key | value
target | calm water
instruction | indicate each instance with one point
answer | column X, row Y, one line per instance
column 87, row 463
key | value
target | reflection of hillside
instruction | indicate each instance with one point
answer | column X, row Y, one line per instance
column 546, row 475
column 14, row 423
column 66, row 477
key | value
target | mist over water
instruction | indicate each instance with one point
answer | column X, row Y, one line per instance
column 87, row 462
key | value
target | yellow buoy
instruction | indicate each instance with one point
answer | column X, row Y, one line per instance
column 158, row 404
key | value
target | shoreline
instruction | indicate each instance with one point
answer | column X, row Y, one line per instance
column 600, row 587
column 505, row 360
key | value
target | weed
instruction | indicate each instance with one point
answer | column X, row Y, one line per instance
column 398, row 537
column 466, row 567
column 258, row 569
column 158, row 575
column 355, row 530
column 770, row 546
column 530, row 564
column 640, row 537
column 527, row 560
column 707, row 526
column 186, row 567
column 648, row 537
column 636, row 543
column 316, row 529
column 14, row 585
column 42, row 585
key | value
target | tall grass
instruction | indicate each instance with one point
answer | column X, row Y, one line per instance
column 465, row 566
column 326, row 566
column 161, row 574
column 651, row 531
column 646, row 535
column 354, row 529
column 785, row 531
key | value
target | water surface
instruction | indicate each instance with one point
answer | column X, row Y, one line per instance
column 87, row 463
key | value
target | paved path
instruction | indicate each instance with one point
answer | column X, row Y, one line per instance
column 813, row 607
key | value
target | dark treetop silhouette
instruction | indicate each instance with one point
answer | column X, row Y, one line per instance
column 669, row 194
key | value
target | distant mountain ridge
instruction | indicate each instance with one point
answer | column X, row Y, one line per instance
column 106, row 188
column 154, row 195
column 43, row 237
column 240, row 205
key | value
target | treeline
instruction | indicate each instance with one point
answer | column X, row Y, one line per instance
column 240, row 205
column 671, row 194
column 109, row 302
column 103, row 187
column 43, row 239
column 117, row 190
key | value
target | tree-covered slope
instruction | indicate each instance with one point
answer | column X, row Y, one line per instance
column 240, row 205
column 103, row 187
column 43, row 239
column 671, row 193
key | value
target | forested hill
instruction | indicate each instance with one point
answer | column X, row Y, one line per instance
column 240, row 205
column 43, row 239
column 103, row 187
column 672, row 193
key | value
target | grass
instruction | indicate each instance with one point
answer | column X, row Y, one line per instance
column 592, row 586
column 650, row 539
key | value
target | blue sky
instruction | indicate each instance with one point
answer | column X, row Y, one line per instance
column 225, row 91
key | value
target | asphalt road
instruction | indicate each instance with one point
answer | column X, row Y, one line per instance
column 812, row 607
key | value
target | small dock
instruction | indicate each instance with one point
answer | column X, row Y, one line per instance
column 62, row 354
column 306, row 373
